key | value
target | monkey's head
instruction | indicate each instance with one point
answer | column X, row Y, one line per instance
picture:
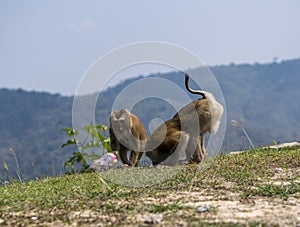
column 120, row 120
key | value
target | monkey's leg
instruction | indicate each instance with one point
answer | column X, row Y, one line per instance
column 123, row 155
column 198, row 156
column 193, row 150
column 179, row 151
column 203, row 149
column 135, row 158
column 142, row 146
column 135, row 153
column 139, row 156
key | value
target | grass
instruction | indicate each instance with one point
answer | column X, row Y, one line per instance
column 277, row 190
column 91, row 199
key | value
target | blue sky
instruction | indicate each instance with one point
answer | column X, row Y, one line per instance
column 49, row 45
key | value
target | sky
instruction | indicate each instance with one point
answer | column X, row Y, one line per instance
column 48, row 45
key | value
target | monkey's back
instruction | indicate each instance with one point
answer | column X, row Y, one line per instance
column 197, row 110
column 138, row 129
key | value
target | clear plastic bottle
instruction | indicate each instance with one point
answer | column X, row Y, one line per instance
column 106, row 162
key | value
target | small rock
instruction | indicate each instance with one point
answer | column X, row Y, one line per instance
column 235, row 152
column 113, row 219
column 86, row 214
column 203, row 209
column 278, row 169
column 153, row 218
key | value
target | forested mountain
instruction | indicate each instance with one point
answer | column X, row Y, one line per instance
column 31, row 123
column 265, row 96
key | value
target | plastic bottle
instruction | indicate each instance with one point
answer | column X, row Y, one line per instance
column 106, row 162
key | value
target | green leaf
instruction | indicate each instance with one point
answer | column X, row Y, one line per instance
column 101, row 127
column 107, row 147
column 70, row 131
column 69, row 142
column 101, row 138
column 94, row 139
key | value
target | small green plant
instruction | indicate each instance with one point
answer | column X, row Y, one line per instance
column 95, row 138
column 271, row 190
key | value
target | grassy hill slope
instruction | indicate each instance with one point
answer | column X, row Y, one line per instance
column 254, row 188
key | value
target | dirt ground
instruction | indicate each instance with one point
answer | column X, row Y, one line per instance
column 231, row 209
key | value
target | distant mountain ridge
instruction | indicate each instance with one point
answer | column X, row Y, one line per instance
column 265, row 96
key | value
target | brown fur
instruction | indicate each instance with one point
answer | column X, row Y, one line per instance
column 179, row 131
column 127, row 132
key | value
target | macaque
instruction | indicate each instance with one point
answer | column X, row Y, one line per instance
column 183, row 135
column 127, row 133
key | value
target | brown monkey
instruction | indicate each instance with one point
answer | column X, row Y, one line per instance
column 164, row 141
column 184, row 133
column 127, row 133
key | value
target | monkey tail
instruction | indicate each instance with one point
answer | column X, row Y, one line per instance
column 197, row 92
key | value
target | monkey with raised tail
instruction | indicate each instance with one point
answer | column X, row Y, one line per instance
column 180, row 135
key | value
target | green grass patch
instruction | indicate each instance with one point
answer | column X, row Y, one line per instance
column 116, row 194
column 272, row 190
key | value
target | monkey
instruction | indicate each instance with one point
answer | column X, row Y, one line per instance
column 127, row 133
column 184, row 132
column 210, row 106
column 209, row 113
column 167, row 137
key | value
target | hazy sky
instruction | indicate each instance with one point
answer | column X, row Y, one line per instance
column 49, row 45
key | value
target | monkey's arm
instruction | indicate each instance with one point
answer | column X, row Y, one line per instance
column 114, row 144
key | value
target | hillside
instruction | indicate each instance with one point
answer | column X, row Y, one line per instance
column 30, row 123
column 263, row 95
column 235, row 190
